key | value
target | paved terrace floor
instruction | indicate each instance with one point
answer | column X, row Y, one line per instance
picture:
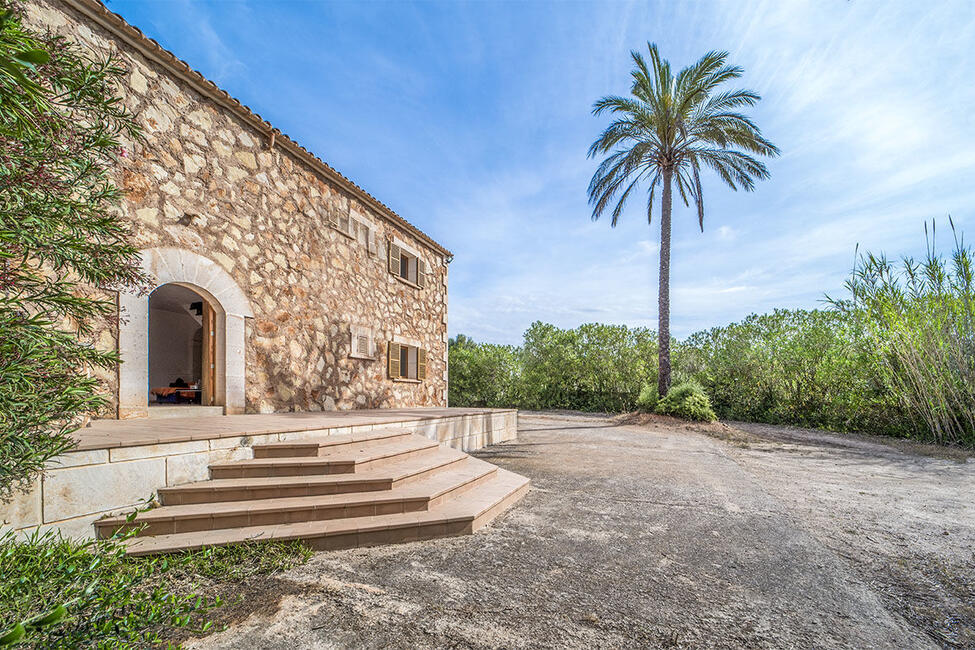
column 104, row 434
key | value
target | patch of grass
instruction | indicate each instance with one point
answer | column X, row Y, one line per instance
column 234, row 563
column 57, row 592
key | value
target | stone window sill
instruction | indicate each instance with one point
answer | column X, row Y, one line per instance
column 364, row 357
column 404, row 380
column 405, row 281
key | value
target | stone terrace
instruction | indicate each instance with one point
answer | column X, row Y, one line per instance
column 118, row 464
column 106, row 434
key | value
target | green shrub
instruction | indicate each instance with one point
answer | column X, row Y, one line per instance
column 61, row 593
column 483, row 374
column 89, row 594
column 647, row 401
column 62, row 127
column 595, row 368
column 807, row 368
column 688, row 401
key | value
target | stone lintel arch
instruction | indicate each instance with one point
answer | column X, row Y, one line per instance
column 192, row 270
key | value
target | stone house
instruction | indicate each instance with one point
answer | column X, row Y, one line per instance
column 280, row 285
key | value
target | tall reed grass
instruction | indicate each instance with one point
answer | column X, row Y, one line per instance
column 919, row 316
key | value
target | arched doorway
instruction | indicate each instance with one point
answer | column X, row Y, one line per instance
column 177, row 271
column 182, row 347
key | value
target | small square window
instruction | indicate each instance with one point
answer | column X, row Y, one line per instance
column 361, row 343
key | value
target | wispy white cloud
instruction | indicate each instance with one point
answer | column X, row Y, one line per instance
column 196, row 26
column 726, row 233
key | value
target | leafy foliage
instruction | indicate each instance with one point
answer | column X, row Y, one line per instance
column 55, row 592
column 103, row 601
column 597, row 368
column 807, row 368
column 662, row 134
column 485, row 375
column 896, row 357
column 63, row 245
column 594, row 367
column 648, row 398
column 687, row 400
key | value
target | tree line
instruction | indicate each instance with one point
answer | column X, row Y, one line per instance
column 896, row 356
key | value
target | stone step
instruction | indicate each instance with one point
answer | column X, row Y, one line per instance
column 461, row 515
column 345, row 459
column 183, row 411
column 322, row 446
column 245, row 489
column 430, row 492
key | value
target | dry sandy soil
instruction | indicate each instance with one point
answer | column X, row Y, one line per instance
column 645, row 532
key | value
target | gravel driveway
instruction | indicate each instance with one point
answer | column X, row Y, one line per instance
column 661, row 536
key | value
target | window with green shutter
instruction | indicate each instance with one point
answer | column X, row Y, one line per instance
column 353, row 224
column 407, row 362
column 407, row 266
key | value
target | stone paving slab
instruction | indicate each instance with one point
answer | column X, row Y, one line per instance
column 104, row 434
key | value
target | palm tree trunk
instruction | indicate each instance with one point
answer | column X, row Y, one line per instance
column 663, row 293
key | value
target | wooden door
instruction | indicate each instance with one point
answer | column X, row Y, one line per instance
column 209, row 355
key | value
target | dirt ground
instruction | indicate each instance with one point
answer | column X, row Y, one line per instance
column 653, row 533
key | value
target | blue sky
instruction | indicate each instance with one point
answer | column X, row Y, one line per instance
column 472, row 120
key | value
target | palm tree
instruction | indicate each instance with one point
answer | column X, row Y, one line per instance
column 662, row 134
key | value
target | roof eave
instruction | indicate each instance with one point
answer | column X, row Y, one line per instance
column 98, row 13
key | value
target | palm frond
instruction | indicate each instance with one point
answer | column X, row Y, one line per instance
column 698, row 193
column 676, row 124
column 625, row 165
column 730, row 99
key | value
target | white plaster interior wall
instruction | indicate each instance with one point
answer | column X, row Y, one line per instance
column 172, row 350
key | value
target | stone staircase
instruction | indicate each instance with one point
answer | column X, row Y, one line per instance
column 379, row 487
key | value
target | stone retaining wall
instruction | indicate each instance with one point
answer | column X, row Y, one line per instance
column 82, row 486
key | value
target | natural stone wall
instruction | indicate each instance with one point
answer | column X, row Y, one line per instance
column 206, row 181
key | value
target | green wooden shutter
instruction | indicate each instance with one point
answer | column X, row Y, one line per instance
column 421, row 364
column 421, row 273
column 394, row 254
column 394, row 369
column 345, row 224
column 373, row 248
